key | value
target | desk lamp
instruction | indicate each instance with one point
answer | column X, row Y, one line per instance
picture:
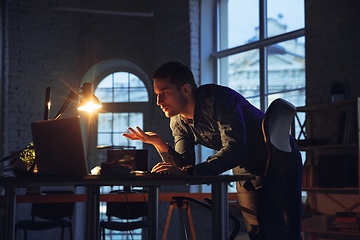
column 89, row 102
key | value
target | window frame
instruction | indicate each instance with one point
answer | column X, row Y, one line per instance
column 260, row 44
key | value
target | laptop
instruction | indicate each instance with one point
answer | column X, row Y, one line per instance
column 59, row 147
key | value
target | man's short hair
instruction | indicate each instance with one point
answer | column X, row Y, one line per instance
column 178, row 73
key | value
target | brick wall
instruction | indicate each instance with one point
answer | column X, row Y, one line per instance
column 48, row 47
column 332, row 48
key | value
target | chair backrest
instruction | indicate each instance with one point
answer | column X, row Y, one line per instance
column 126, row 210
column 276, row 128
column 277, row 122
column 53, row 210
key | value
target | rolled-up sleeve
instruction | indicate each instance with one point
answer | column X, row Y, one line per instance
column 184, row 153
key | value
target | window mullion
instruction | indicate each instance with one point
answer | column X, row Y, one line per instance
column 263, row 55
column 257, row 44
column 112, row 119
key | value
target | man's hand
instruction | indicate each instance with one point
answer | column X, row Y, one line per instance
column 168, row 168
column 147, row 137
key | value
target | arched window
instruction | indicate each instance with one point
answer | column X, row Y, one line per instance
column 119, row 87
column 124, row 90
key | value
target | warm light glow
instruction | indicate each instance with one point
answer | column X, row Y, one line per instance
column 89, row 102
column 89, row 107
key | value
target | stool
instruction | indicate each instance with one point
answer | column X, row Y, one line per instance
column 182, row 205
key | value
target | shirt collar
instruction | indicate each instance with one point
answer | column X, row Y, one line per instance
column 196, row 113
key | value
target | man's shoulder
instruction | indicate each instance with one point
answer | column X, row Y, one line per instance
column 175, row 122
column 211, row 87
column 177, row 126
column 214, row 91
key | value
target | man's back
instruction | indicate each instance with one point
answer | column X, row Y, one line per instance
column 225, row 121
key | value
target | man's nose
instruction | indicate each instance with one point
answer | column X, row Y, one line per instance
column 159, row 100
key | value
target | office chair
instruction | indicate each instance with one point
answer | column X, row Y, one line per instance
column 52, row 215
column 280, row 171
column 125, row 211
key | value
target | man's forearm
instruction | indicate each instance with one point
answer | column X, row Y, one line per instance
column 162, row 146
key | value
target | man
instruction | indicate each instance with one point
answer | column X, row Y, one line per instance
column 219, row 118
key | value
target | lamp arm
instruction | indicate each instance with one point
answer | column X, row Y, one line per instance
column 72, row 96
column 47, row 103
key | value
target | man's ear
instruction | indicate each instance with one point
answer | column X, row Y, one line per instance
column 186, row 88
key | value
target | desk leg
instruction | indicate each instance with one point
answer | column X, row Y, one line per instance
column 220, row 211
column 93, row 213
column 9, row 205
column 153, row 216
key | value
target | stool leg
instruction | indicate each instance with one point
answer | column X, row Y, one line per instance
column 70, row 231
column 191, row 223
column 183, row 224
column 171, row 207
column 185, row 206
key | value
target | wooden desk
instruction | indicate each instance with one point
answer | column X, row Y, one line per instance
column 153, row 182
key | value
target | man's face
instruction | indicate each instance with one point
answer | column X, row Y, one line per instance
column 168, row 97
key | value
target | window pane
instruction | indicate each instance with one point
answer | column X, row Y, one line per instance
column 112, row 125
column 138, row 95
column 120, row 120
column 285, row 16
column 138, row 91
column 121, row 95
column 122, row 87
column 119, row 140
column 104, row 94
column 105, row 122
column 286, row 69
column 136, row 119
column 243, row 22
column 296, row 97
column 135, row 82
column 104, row 90
column 106, row 82
column 104, row 139
column 244, row 73
column 121, row 80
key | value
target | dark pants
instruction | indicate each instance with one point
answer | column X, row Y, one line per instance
column 277, row 201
